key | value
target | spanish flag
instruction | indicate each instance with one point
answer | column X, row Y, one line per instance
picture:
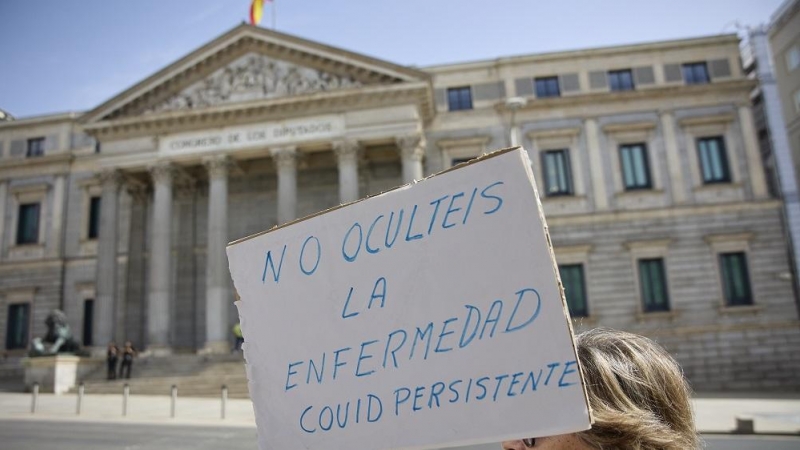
column 257, row 11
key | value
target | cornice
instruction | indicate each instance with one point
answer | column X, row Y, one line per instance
column 58, row 160
column 741, row 86
column 706, row 120
column 572, row 55
column 45, row 119
column 675, row 212
column 567, row 132
column 448, row 143
column 236, row 42
column 628, row 127
column 281, row 108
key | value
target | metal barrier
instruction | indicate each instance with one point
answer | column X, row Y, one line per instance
column 81, row 390
column 126, row 392
column 35, row 398
column 224, row 399
column 174, row 394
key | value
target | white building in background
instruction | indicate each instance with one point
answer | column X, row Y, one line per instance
column 646, row 156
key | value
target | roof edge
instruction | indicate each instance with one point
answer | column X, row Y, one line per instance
column 596, row 51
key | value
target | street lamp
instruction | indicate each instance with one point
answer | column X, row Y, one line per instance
column 515, row 103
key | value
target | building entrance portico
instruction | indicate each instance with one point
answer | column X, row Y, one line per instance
column 248, row 132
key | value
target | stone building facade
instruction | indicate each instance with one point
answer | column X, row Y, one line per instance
column 646, row 156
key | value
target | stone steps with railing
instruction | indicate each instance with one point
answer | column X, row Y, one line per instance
column 194, row 376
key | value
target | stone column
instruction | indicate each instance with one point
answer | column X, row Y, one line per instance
column 136, row 290
column 596, row 164
column 106, row 271
column 217, row 298
column 412, row 149
column 673, row 157
column 347, row 156
column 755, row 167
column 160, row 270
column 286, row 164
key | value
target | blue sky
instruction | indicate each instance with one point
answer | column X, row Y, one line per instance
column 71, row 55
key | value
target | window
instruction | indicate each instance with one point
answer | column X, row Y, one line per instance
column 695, row 73
column 620, row 80
column 653, row 285
column 735, row 282
column 792, row 58
column 574, row 289
column 713, row 161
column 35, row 147
column 28, row 224
column 17, row 326
column 557, row 176
column 635, row 168
column 88, row 321
column 547, row 87
column 94, row 218
column 459, row 99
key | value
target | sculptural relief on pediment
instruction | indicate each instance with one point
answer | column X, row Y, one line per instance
column 254, row 77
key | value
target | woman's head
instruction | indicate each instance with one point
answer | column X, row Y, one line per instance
column 637, row 393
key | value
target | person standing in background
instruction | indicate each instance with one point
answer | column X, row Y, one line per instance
column 237, row 332
column 112, row 354
column 128, row 354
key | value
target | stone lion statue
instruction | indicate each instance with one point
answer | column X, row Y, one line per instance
column 58, row 338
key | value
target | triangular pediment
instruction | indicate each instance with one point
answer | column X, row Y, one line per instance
column 250, row 64
column 255, row 76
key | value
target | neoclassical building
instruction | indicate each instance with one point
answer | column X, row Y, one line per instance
column 645, row 155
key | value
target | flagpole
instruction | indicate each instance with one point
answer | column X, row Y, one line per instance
column 273, row 14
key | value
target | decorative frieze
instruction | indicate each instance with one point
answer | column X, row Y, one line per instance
column 255, row 77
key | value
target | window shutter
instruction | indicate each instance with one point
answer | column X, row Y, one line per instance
column 524, row 87
column 644, row 75
column 570, row 82
column 598, row 80
column 489, row 91
column 18, row 148
column 719, row 68
column 441, row 98
column 673, row 73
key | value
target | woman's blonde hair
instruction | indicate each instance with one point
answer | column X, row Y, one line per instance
column 637, row 392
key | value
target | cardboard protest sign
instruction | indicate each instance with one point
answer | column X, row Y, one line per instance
column 428, row 316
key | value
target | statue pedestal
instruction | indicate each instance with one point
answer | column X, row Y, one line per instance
column 55, row 374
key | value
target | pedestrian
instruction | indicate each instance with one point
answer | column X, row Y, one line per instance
column 638, row 397
column 237, row 333
column 112, row 353
column 128, row 354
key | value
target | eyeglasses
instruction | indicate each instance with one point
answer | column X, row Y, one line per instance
column 529, row 442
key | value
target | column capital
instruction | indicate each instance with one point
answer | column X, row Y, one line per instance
column 138, row 192
column 162, row 172
column 346, row 150
column 284, row 157
column 111, row 178
column 412, row 146
column 217, row 166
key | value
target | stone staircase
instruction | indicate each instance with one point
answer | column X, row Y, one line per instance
column 194, row 375
column 12, row 374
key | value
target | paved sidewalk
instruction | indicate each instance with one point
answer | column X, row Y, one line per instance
column 144, row 409
column 714, row 415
